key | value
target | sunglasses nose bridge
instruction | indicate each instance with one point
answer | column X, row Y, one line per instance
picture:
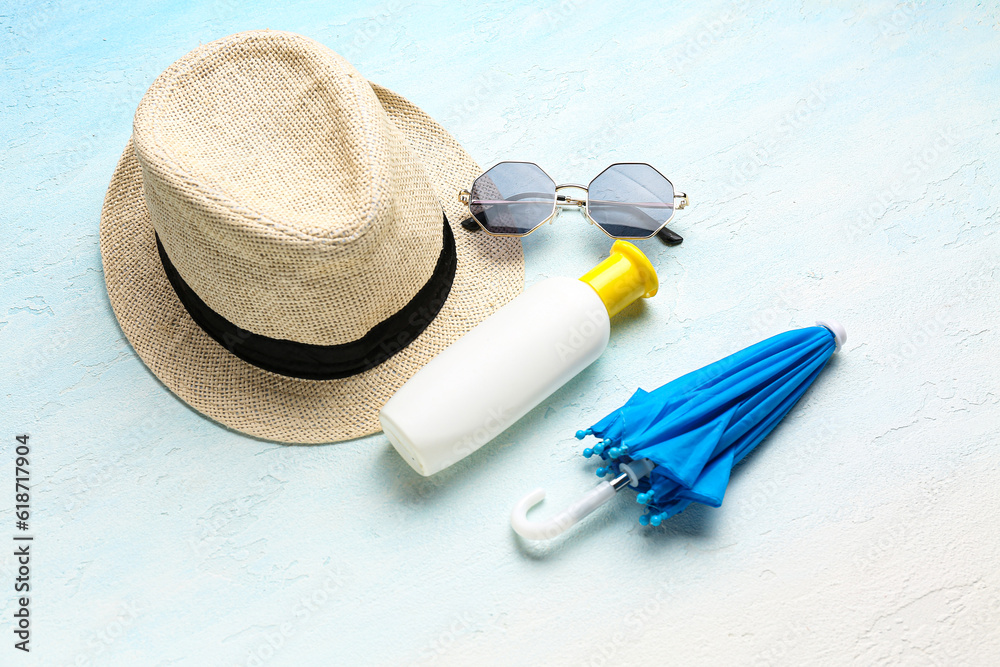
column 570, row 201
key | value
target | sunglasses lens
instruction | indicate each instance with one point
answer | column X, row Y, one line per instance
column 513, row 198
column 630, row 200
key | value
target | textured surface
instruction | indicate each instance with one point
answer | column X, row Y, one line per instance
column 841, row 163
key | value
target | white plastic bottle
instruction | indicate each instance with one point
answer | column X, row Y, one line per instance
column 512, row 361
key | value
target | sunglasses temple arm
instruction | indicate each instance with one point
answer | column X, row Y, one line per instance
column 669, row 236
column 665, row 234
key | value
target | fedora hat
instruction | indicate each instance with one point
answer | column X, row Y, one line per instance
column 282, row 242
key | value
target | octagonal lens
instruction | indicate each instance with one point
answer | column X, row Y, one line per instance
column 630, row 200
column 513, row 198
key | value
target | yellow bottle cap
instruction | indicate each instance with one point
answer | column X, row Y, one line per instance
column 623, row 277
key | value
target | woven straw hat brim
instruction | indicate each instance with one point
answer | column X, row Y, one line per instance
column 267, row 405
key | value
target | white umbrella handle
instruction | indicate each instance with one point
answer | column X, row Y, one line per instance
column 546, row 530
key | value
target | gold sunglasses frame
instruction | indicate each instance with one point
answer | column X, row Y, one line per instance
column 465, row 197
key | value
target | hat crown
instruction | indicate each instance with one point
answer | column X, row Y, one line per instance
column 281, row 191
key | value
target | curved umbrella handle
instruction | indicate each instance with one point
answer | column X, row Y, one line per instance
column 546, row 530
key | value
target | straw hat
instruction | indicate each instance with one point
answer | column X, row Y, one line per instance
column 282, row 242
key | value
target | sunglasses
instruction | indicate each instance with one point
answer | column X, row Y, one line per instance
column 628, row 200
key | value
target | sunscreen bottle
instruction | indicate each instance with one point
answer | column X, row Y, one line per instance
column 512, row 361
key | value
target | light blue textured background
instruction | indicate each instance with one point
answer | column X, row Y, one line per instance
column 841, row 158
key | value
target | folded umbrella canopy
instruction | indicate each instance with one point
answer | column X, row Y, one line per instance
column 677, row 444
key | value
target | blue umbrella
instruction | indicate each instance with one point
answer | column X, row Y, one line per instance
column 677, row 444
